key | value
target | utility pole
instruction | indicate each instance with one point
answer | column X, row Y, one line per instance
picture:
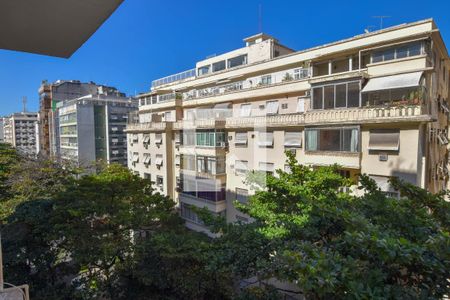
column 381, row 19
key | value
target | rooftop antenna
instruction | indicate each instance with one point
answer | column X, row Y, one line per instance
column 381, row 19
column 260, row 17
column 24, row 102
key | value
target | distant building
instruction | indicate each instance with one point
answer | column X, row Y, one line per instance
column 1, row 130
column 52, row 93
column 91, row 128
column 19, row 130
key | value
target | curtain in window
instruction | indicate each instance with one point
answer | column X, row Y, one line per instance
column 354, row 140
column 311, row 140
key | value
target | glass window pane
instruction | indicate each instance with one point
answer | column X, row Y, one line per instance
column 341, row 95
column 353, row 94
column 389, row 54
column 402, row 52
column 330, row 140
column 414, row 49
column 377, row 56
column 317, row 98
column 329, row 97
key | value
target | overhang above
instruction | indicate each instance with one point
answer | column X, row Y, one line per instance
column 51, row 27
column 393, row 82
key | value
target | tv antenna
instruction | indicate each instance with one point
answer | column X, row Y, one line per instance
column 260, row 18
column 381, row 19
column 24, row 103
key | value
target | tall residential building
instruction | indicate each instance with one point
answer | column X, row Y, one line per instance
column 91, row 128
column 52, row 93
column 20, row 131
column 375, row 103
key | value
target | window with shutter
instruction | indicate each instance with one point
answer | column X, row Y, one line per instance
column 293, row 139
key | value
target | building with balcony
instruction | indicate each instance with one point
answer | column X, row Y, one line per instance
column 50, row 94
column 375, row 103
column 21, row 131
column 91, row 129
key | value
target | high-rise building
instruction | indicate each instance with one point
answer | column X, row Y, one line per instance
column 91, row 128
column 2, row 138
column 20, row 131
column 52, row 93
column 375, row 103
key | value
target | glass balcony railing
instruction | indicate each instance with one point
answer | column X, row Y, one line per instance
column 172, row 78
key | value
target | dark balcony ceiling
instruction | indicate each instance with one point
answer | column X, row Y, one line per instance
column 51, row 27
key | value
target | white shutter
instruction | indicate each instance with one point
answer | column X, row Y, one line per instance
column 246, row 110
column 301, row 105
column 272, row 107
column 158, row 138
column 241, row 138
column 387, row 140
column 265, row 139
column 292, row 139
column 147, row 158
column 146, row 139
column 159, row 160
column 267, row 167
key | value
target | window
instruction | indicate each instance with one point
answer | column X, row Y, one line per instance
column 168, row 116
column 159, row 160
column 284, row 106
column 241, row 167
column 188, row 214
column 272, row 107
column 301, row 105
column 147, row 158
column 241, row 139
column 301, row 73
column 177, row 138
column 209, row 138
column 188, row 162
column 159, row 180
column 134, row 138
column 246, row 110
column 265, row 139
column 384, row 185
column 177, row 160
column 237, row 61
column 135, row 157
column 146, row 139
column 267, row 167
column 318, row 98
column 336, row 95
column 332, row 139
column 266, row 80
column 384, row 139
column 218, row 66
column 189, row 138
column 242, row 195
column 292, row 139
column 401, row 51
column 158, row 138
column 147, row 176
column 203, row 70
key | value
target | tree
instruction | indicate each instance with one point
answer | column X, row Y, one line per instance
column 96, row 220
column 8, row 158
column 335, row 245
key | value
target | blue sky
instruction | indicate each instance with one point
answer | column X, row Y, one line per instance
column 147, row 39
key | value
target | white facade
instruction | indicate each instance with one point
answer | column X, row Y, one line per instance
column 376, row 103
column 20, row 132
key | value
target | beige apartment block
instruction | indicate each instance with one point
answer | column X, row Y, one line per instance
column 375, row 103
column 21, row 131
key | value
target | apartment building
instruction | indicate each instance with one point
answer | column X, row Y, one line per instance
column 50, row 94
column 375, row 103
column 20, row 130
column 91, row 128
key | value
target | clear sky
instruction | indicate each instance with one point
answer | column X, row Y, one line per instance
column 148, row 39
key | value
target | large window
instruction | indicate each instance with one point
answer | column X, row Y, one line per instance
column 336, row 95
column 202, row 188
column 219, row 66
column 394, row 97
column 401, row 51
column 237, row 61
column 332, row 139
column 209, row 138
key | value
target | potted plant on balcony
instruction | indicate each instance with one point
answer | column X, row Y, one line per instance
column 287, row 77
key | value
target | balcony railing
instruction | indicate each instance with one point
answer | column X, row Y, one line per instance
column 172, row 78
column 248, row 84
column 152, row 126
column 155, row 99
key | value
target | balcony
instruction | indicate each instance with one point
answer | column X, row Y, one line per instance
column 172, row 78
column 198, row 124
column 273, row 79
column 358, row 115
column 146, row 127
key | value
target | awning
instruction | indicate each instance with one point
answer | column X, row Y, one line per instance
column 159, row 161
column 387, row 140
column 292, row 139
column 146, row 139
column 135, row 157
column 240, row 138
column 147, row 158
column 393, row 82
